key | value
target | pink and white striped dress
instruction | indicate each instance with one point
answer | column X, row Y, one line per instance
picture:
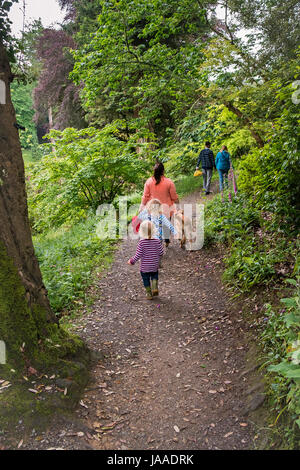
column 149, row 252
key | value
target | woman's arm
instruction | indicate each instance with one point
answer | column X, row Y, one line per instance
column 173, row 193
column 199, row 161
column 146, row 196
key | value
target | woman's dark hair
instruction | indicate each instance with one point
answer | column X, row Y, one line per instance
column 225, row 148
column 158, row 172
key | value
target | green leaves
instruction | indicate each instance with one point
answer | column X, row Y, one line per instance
column 4, row 21
column 281, row 340
column 88, row 167
column 288, row 369
column 6, row 5
column 271, row 174
column 142, row 61
column 67, row 258
column 22, row 101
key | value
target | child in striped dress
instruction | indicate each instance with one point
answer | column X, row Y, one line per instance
column 149, row 251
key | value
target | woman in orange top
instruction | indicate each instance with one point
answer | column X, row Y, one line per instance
column 161, row 188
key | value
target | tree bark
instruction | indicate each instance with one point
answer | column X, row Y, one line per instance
column 246, row 121
column 15, row 234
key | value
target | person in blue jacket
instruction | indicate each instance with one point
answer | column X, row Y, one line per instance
column 223, row 164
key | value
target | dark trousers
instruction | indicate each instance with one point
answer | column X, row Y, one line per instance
column 147, row 276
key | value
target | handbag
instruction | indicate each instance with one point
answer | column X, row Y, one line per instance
column 135, row 222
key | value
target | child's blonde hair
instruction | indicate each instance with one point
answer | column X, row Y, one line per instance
column 147, row 229
column 154, row 207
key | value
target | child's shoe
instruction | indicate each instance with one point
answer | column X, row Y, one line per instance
column 154, row 287
column 149, row 293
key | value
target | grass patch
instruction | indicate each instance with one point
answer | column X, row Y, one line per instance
column 27, row 156
column 68, row 259
column 187, row 184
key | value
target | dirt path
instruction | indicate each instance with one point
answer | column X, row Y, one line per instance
column 170, row 374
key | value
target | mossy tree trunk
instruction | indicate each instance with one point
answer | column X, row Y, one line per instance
column 25, row 313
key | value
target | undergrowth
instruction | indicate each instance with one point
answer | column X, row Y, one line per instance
column 68, row 257
column 260, row 252
column 281, row 344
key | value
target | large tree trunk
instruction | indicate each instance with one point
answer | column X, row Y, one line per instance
column 22, row 292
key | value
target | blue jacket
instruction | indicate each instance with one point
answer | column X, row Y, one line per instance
column 223, row 161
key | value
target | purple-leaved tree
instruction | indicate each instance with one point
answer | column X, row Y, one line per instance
column 56, row 97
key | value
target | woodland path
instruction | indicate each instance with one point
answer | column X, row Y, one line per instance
column 170, row 375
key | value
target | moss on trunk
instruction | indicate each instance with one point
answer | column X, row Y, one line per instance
column 19, row 325
column 32, row 342
column 28, row 337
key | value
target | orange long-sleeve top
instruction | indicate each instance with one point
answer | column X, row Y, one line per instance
column 165, row 191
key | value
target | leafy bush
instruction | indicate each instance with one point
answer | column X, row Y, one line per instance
column 257, row 252
column 23, row 104
column 67, row 258
column 88, row 167
column 270, row 176
column 227, row 221
column 181, row 159
column 281, row 340
column 240, row 142
column 251, row 262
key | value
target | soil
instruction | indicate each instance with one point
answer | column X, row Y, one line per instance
column 170, row 373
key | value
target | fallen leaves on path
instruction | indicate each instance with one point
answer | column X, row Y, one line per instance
column 172, row 360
